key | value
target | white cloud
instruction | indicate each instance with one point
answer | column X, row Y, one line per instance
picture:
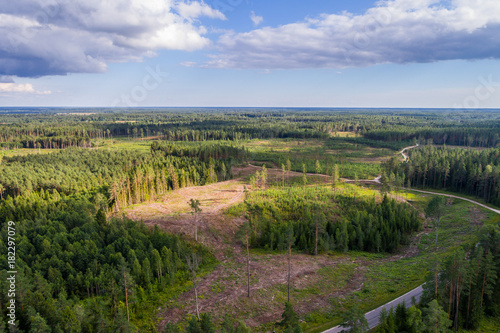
column 394, row 31
column 188, row 64
column 196, row 9
column 45, row 37
column 256, row 19
column 21, row 88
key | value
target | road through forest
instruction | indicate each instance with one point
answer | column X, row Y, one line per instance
column 373, row 316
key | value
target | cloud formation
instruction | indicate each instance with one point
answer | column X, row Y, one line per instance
column 256, row 19
column 57, row 37
column 21, row 88
column 394, row 31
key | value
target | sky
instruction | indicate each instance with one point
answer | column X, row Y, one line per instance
column 250, row 53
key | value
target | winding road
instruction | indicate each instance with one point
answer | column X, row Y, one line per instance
column 373, row 316
column 402, row 152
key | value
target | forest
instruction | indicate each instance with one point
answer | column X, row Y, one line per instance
column 127, row 177
column 467, row 290
column 343, row 222
column 80, row 272
column 277, row 189
column 55, row 128
column 473, row 172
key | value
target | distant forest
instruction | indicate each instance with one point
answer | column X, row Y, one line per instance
column 61, row 128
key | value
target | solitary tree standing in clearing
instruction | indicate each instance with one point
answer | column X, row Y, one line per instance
column 195, row 206
column 193, row 262
column 244, row 234
column 291, row 240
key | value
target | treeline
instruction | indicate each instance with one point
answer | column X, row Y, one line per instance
column 78, row 272
column 203, row 151
column 206, row 324
column 468, row 281
column 426, row 318
column 54, row 130
column 466, row 135
column 130, row 177
column 57, row 132
column 310, row 217
column 473, row 172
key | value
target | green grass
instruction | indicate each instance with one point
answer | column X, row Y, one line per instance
column 488, row 325
column 124, row 144
column 352, row 158
column 458, row 194
column 24, row 152
column 387, row 280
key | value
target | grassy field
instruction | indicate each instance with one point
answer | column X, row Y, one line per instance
column 141, row 144
column 24, row 152
column 354, row 160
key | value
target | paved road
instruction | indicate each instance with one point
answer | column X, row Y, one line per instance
column 373, row 316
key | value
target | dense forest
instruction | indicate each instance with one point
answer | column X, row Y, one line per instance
column 79, row 272
column 129, row 177
column 311, row 216
column 474, row 172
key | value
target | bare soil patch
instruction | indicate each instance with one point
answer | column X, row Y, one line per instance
column 224, row 290
column 477, row 216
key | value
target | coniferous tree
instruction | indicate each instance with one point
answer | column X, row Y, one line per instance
column 354, row 320
column 436, row 319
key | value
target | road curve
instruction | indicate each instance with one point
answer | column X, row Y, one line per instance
column 378, row 179
column 456, row 197
column 443, row 194
column 373, row 316
column 402, row 152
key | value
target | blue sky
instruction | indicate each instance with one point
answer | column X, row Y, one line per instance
column 283, row 53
